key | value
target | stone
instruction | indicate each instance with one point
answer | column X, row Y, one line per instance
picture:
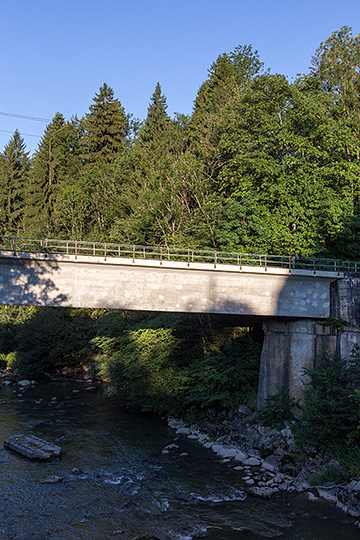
column 353, row 486
column 268, row 466
column 183, row 430
column 25, row 383
column 244, row 410
column 171, row 446
column 250, row 482
column 253, row 462
column 52, row 480
column 89, row 388
column 32, row 447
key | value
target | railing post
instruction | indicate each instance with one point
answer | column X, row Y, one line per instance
column 105, row 251
column 314, row 267
column 265, row 264
column 14, row 246
column 160, row 255
column 240, row 261
column 75, row 249
column 289, row 264
column 94, row 249
column 133, row 254
column 215, row 259
column 67, row 248
column 188, row 262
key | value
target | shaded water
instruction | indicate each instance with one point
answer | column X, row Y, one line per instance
column 127, row 487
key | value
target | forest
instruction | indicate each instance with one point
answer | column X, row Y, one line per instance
column 262, row 165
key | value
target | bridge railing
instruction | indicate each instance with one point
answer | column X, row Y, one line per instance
column 161, row 254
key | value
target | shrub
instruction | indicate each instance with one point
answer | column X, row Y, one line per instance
column 278, row 409
column 329, row 414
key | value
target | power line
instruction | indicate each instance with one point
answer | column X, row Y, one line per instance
column 22, row 134
column 25, row 117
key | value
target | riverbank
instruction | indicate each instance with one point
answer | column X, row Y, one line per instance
column 269, row 461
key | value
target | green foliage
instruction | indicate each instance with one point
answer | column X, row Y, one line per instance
column 328, row 412
column 328, row 475
column 158, row 363
column 278, row 410
column 336, row 323
column 107, row 127
column 52, row 338
column 14, row 173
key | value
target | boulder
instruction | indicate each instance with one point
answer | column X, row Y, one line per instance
column 32, row 447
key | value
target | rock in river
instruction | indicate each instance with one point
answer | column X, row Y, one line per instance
column 32, row 447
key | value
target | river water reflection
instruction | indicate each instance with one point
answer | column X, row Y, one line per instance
column 127, row 487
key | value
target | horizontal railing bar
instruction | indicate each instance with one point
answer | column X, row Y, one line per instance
column 100, row 249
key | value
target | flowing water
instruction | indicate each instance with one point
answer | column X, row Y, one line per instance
column 127, row 487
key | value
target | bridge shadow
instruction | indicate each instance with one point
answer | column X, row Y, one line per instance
column 30, row 283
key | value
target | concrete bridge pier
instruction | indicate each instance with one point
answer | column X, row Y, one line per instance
column 288, row 349
column 291, row 347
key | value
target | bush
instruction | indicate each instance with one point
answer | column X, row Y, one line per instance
column 278, row 409
column 329, row 414
column 167, row 365
column 52, row 338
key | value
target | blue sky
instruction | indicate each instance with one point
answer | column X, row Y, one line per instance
column 56, row 55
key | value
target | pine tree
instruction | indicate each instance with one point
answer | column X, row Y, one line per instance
column 107, row 126
column 14, row 170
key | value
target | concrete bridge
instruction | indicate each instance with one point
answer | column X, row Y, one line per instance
column 288, row 293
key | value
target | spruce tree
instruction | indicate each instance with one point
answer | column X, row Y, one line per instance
column 14, row 170
column 107, row 127
column 155, row 128
column 47, row 174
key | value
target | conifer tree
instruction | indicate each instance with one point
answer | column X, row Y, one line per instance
column 14, row 170
column 155, row 128
column 48, row 172
column 107, row 126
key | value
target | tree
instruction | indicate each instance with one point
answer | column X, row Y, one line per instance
column 49, row 170
column 155, row 130
column 14, row 171
column 107, row 127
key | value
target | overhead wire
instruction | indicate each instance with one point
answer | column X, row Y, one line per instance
column 22, row 134
column 25, row 117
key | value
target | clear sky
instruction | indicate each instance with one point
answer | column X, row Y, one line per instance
column 56, row 54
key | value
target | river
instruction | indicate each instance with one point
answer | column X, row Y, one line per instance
column 125, row 486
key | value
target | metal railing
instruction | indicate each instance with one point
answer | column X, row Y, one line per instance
column 160, row 254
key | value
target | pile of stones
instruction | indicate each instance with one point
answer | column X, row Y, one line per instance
column 266, row 460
